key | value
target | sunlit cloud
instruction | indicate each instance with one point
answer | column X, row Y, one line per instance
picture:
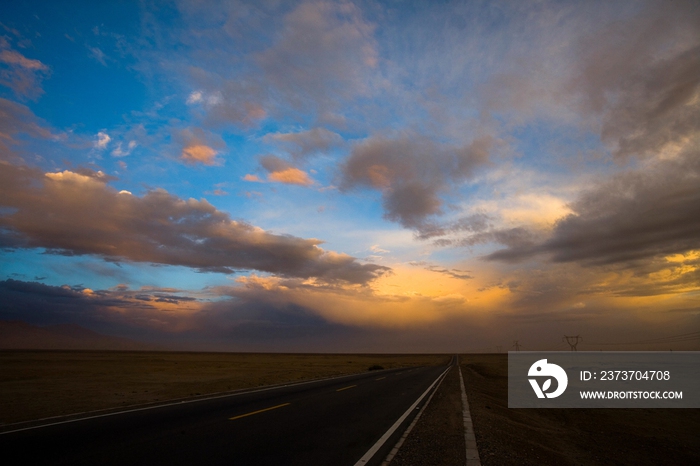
column 194, row 97
column 252, row 178
column 119, row 152
column 199, row 154
column 281, row 171
column 197, row 147
column 70, row 213
column 102, row 140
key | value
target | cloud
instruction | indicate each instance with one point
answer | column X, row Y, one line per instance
column 73, row 214
column 321, row 56
column 291, row 176
column 272, row 60
column 281, row 171
column 199, row 153
column 634, row 216
column 218, row 192
column 194, row 97
column 11, row 57
column 628, row 71
column 98, row 55
column 21, row 74
column 365, row 307
column 454, row 273
column 119, row 152
column 197, row 147
column 647, row 87
column 305, row 143
column 117, row 310
column 17, row 119
column 252, row 178
column 412, row 171
column 102, row 140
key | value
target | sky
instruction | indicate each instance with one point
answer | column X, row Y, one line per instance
column 337, row 176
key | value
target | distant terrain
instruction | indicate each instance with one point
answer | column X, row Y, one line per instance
column 21, row 335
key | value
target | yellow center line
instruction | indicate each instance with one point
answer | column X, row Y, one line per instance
column 380, row 378
column 258, row 411
column 345, row 388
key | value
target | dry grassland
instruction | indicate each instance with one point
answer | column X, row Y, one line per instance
column 41, row 384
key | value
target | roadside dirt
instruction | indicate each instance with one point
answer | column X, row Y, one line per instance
column 438, row 437
column 571, row 436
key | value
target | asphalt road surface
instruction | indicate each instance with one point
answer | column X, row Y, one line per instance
column 328, row 422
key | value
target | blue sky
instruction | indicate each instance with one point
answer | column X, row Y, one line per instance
column 401, row 176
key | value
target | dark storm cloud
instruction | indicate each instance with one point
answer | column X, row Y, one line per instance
column 37, row 303
column 167, row 316
column 72, row 214
column 255, row 319
column 118, row 311
column 412, row 172
column 635, row 216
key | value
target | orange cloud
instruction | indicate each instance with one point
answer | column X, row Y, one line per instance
column 200, row 153
column 291, row 176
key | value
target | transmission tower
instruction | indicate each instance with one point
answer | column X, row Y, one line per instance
column 572, row 341
column 516, row 345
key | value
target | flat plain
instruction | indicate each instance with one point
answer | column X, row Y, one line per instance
column 43, row 384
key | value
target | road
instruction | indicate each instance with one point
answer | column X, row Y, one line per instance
column 327, row 422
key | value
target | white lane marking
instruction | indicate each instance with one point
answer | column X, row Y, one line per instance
column 172, row 403
column 469, row 438
column 372, row 451
column 396, row 448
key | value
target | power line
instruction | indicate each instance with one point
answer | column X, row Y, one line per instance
column 692, row 336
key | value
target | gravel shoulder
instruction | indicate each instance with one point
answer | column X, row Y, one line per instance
column 437, row 439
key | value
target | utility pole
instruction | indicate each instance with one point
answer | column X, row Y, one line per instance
column 572, row 341
column 516, row 345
